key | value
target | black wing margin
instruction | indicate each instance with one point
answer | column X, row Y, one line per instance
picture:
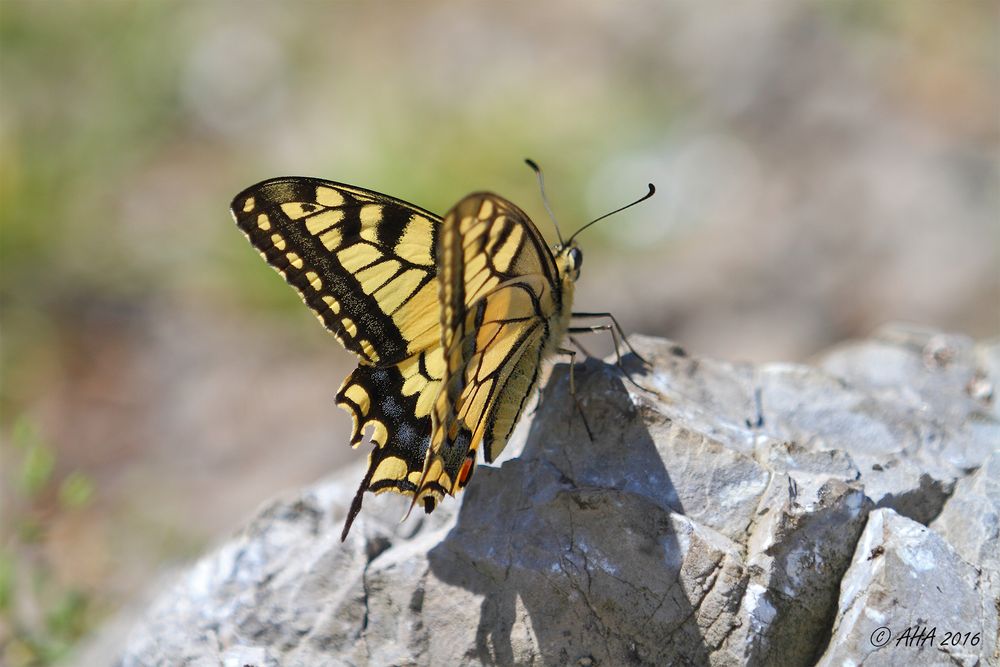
column 362, row 261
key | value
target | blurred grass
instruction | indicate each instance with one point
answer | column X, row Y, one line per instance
column 41, row 614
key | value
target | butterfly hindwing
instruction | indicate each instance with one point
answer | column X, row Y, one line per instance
column 499, row 291
column 395, row 404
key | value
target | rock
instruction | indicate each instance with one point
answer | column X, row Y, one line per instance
column 909, row 597
column 971, row 519
column 970, row 522
column 722, row 514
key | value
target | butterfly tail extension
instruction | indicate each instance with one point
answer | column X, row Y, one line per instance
column 393, row 405
column 355, row 508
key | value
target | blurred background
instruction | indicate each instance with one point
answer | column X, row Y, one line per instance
column 822, row 168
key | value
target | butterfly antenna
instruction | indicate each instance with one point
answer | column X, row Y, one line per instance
column 545, row 200
column 652, row 191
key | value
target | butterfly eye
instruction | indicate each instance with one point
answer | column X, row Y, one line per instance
column 576, row 256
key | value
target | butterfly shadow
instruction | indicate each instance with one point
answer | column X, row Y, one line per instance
column 574, row 547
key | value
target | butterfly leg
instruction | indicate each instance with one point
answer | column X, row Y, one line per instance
column 618, row 356
column 579, row 345
column 617, row 332
column 572, row 390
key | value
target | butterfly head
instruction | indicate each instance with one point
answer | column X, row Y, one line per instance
column 569, row 259
column 568, row 256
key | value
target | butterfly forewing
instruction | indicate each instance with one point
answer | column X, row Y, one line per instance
column 361, row 261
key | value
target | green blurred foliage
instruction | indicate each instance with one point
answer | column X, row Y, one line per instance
column 83, row 117
column 76, row 490
column 6, row 581
column 41, row 616
column 38, row 461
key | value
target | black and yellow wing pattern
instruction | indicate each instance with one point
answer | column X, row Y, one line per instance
column 503, row 310
column 449, row 318
column 364, row 264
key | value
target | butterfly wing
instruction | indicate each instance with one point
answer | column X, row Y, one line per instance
column 500, row 294
column 364, row 263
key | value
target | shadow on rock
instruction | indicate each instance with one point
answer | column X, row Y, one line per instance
column 576, row 546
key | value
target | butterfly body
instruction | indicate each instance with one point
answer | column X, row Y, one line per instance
column 450, row 318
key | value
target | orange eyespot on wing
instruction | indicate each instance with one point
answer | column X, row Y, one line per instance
column 468, row 467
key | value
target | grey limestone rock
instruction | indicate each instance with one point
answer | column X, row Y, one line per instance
column 971, row 519
column 722, row 514
column 909, row 597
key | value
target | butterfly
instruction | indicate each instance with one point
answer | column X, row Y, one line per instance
column 450, row 318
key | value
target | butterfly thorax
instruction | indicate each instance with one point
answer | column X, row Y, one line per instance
column 568, row 260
